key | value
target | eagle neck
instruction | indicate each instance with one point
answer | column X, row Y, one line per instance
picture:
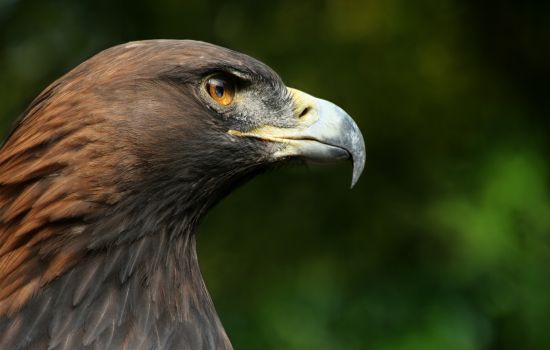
column 162, row 273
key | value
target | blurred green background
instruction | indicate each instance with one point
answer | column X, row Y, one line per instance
column 445, row 241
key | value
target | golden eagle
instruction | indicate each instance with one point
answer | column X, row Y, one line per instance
column 106, row 175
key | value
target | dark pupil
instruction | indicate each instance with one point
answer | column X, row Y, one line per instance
column 219, row 90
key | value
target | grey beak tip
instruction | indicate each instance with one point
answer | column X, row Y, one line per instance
column 358, row 166
column 357, row 155
column 353, row 182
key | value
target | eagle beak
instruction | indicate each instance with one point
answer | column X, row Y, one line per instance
column 324, row 132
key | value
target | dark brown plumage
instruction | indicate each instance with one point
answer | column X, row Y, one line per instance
column 106, row 175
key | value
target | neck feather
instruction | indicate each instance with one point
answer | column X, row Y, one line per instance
column 146, row 293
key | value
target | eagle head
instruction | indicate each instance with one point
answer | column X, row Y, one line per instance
column 107, row 173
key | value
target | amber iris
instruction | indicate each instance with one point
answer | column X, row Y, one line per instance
column 221, row 89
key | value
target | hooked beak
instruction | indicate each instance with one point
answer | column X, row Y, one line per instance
column 324, row 132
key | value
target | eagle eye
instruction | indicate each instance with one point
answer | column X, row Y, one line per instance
column 221, row 89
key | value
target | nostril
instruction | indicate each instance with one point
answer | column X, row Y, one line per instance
column 304, row 112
